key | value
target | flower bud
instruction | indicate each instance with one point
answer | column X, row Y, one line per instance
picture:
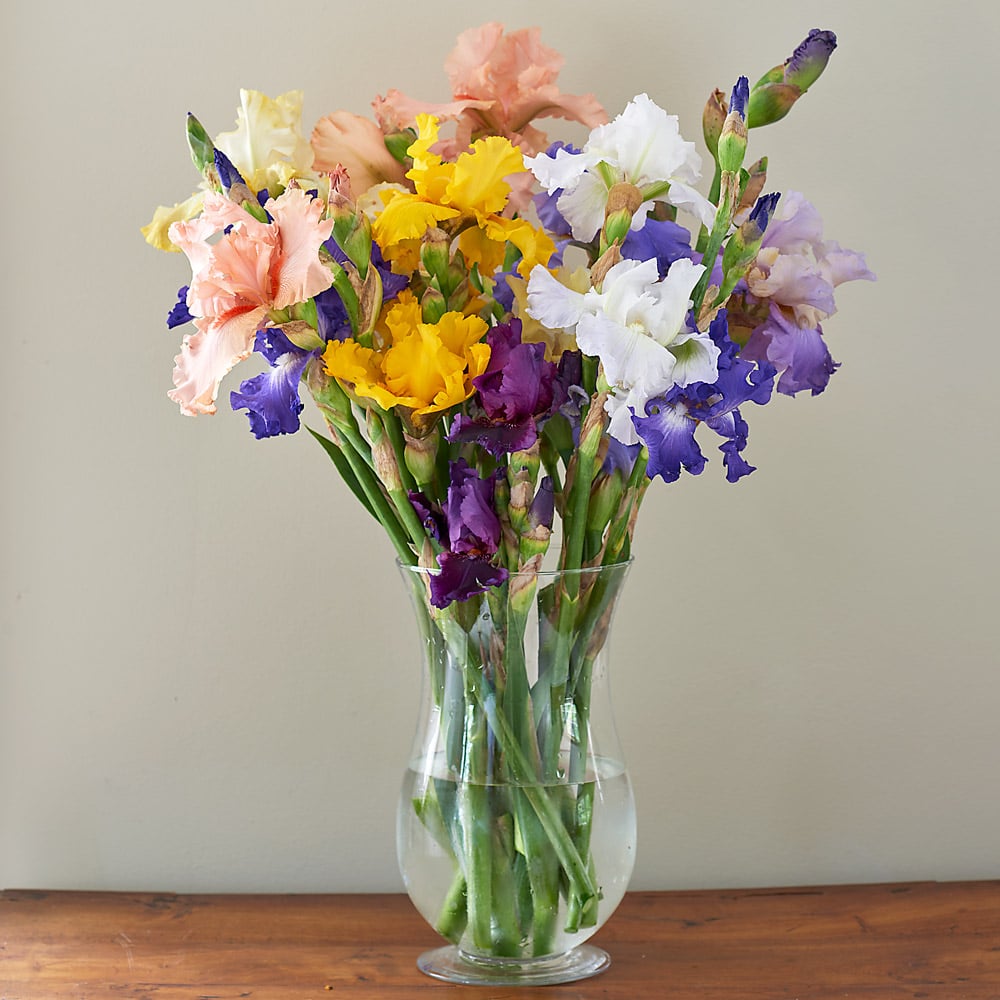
column 809, row 60
column 754, row 228
column 370, row 301
column 756, row 179
column 383, row 455
column 605, row 497
column 328, row 394
column 202, row 148
column 741, row 250
column 733, row 140
column 230, row 178
column 543, row 508
column 433, row 305
column 774, row 93
column 351, row 229
column 399, row 142
column 420, row 455
column 712, row 120
column 624, row 200
column 435, row 255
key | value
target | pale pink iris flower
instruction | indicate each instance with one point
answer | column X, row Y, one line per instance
column 251, row 268
column 500, row 84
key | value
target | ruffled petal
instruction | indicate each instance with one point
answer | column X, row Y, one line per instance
column 271, row 399
column 668, row 432
column 207, row 356
column 303, row 230
column 462, row 577
column 799, row 354
column 659, row 240
column 552, row 303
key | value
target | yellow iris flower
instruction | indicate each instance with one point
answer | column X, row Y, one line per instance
column 464, row 198
column 426, row 367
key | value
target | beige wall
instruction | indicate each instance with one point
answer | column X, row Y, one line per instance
column 207, row 668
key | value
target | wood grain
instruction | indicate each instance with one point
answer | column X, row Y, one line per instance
column 915, row 940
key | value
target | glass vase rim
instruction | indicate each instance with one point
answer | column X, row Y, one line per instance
column 544, row 574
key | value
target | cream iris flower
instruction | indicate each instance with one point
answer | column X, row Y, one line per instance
column 267, row 146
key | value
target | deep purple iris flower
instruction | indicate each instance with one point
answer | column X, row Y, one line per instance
column 800, row 354
column 669, row 423
column 271, row 399
column 430, row 517
column 473, row 530
column 518, row 389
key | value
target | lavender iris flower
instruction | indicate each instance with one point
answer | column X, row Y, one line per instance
column 800, row 353
column 668, row 426
column 271, row 399
column 473, row 539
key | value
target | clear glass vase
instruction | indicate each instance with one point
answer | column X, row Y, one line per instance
column 516, row 820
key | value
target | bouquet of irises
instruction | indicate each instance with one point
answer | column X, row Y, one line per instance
column 507, row 340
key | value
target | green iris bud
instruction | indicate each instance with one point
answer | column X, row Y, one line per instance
column 777, row 90
column 733, row 140
column 741, row 250
column 624, row 201
column 202, row 148
column 399, row 142
column 352, row 231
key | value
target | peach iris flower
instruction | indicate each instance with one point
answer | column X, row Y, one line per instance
column 359, row 146
column 252, row 268
column 500, row 84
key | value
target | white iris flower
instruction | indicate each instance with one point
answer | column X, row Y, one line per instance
column 637, row 326
column 642, row 146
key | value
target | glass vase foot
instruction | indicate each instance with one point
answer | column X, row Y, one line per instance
column 453, row 965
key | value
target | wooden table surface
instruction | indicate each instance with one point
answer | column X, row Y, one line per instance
column 936, row 940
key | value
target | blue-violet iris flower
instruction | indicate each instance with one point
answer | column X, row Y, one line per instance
column 669, row 424
column 271, row 399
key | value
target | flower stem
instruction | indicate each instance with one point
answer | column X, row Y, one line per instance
column 381, row 507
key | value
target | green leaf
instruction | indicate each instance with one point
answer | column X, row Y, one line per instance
column 344, row 468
